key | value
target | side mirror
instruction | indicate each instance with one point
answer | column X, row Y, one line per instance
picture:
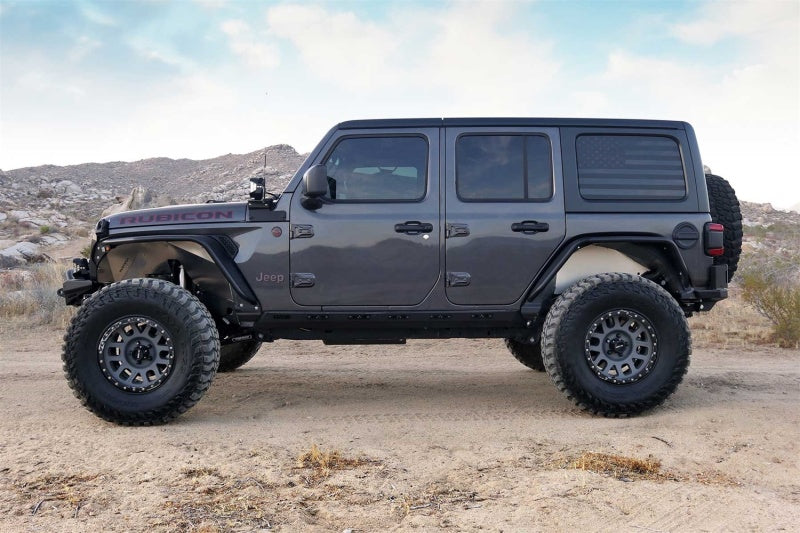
column 315, row 181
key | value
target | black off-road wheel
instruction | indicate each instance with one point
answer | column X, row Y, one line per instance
column 141, row 352
column 616, row 344
column 232, row 356
column 725, row 210
column 529, row 354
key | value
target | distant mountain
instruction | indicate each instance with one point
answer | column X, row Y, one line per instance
column 48, row 204
column 177, row 178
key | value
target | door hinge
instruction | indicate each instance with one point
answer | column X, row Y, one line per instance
column 456, row 230
column 458, row 279
column 301, row 231
column 303, row 279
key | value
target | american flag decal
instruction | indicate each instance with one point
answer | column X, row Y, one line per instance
column 630, row 167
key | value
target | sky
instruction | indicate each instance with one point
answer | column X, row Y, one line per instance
column 85, row 81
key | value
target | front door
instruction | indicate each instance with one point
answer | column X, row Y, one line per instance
column 375, row 240
column 504, row 211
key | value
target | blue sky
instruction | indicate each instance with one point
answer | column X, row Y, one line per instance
column 98, row 81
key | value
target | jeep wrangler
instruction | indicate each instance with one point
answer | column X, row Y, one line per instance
column 584, row 243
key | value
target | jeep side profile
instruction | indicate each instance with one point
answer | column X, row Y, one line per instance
column 584, row 243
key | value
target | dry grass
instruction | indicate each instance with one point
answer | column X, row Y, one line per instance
column 779, row 302
column 437, row 497
column 732, row 323
column 215, row 502
column 64, row 494
column 618, row 466
column 650, row 469
column 30, row 294
column 322, row 464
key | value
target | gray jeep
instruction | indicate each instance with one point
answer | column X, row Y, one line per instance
column 584, row 243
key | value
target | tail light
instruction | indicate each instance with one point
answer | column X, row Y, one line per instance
column 713, row 236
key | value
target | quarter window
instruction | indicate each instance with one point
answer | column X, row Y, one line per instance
column 378, row 168
column 503, row 167
column 630, row 167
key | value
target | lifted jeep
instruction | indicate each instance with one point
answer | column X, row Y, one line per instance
column 584, row 243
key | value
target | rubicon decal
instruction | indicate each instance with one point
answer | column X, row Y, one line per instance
column 182, row 216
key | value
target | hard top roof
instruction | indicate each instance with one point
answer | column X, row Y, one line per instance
column 509, row 121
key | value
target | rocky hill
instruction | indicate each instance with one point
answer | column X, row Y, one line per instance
column 46, row 205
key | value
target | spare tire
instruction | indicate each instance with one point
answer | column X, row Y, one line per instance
column 725, row 210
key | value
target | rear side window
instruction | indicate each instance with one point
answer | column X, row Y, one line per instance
column 378, row 168
column 630, row 167
column 503, row 167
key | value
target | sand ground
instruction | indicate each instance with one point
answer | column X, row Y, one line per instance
column 443, row 434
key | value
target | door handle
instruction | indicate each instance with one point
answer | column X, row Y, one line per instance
column 414, row 227
column 529, row 227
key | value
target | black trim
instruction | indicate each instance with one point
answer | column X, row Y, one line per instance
column 264, row 214
column 509, row 122
column 214, row 248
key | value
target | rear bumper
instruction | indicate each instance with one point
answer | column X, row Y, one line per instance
column 704, row 298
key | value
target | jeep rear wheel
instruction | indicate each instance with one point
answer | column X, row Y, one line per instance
column 232, row 356
column 616, row 344
column 725, row 210
column 529, row 354
column 141, row 352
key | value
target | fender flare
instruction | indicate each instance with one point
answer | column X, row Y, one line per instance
column 221, row 252
column 547, row 275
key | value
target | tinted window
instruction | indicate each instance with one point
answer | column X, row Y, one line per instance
column 503, row 167
column 635, row 167
column 378, row 168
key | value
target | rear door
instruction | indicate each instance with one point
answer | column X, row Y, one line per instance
column 504, row 211
column 376, row 238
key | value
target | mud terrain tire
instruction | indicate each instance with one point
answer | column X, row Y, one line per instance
column 725, row 210
column 141, row 352
column 616, row 344
column 529, row 355
column 232, row 356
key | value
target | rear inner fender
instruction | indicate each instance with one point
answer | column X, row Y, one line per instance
column 181, row 262
column 646, row 260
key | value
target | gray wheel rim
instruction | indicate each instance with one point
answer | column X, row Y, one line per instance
column 136, row 354
column 621, row 346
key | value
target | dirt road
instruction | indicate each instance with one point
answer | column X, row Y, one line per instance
column 445, row 434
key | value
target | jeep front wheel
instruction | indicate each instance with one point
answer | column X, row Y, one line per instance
column 141, row 352
column 616, row 344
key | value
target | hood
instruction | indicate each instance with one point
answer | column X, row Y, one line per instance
column 180, row 214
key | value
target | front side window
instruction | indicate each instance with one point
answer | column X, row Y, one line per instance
column 503, row 167
column 378, row 168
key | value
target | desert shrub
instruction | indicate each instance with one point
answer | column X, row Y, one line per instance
column 776, row 298
column 44, row 229
column 31, row 294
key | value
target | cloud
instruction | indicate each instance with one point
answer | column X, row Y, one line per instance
column 97, row 17
column 463, row 53
column 83, row 46
column 716, row 21
column 246, row 45
column 338, row 47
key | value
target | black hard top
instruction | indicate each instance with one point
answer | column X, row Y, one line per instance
column 510, row 121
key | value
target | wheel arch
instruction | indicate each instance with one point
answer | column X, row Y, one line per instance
column 653, row 257
column 206, row 260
